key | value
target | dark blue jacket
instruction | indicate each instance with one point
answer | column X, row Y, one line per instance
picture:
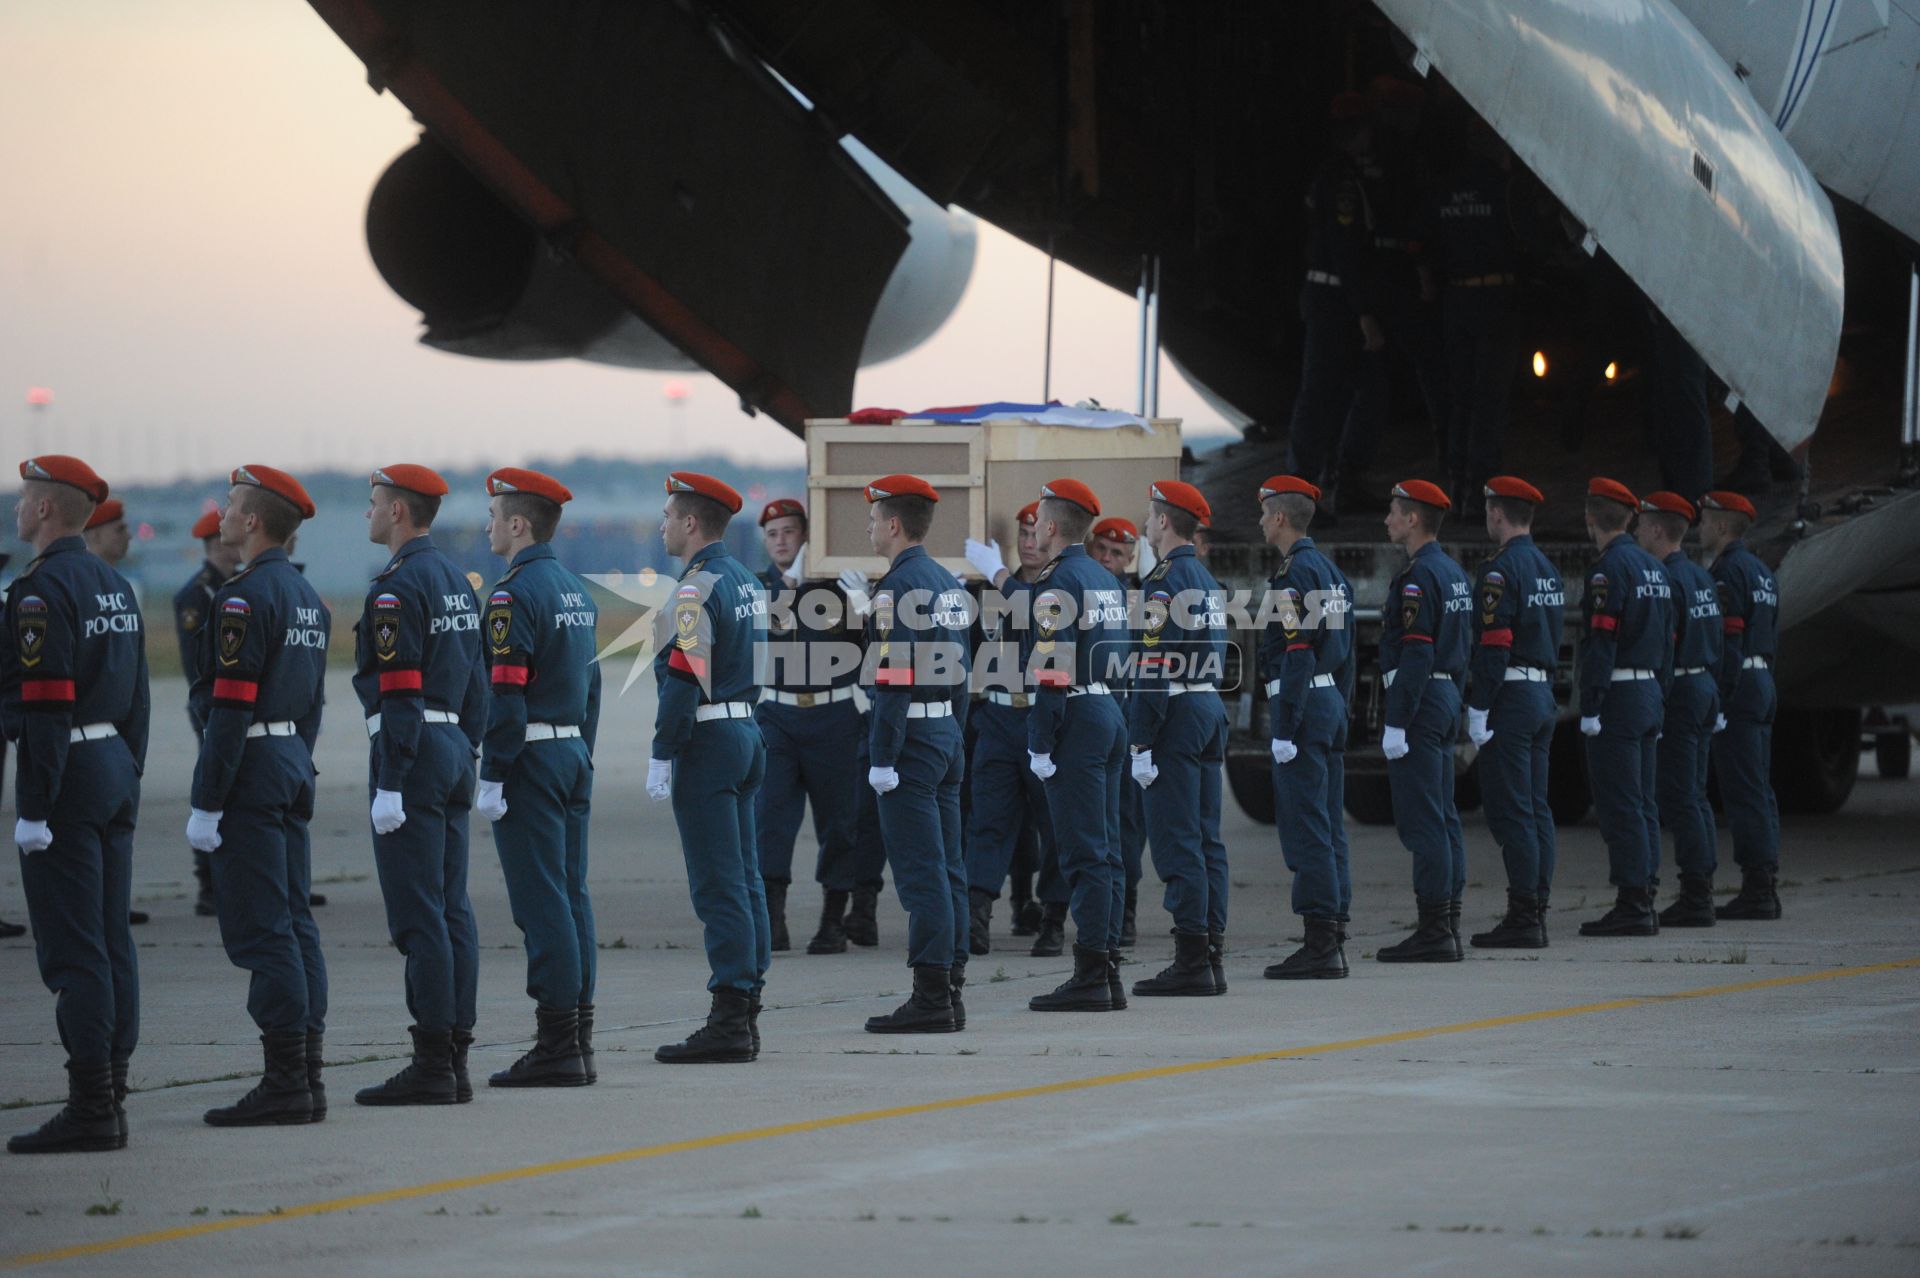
column 1749, row 612
column 1518, row 623
column 1696, row 612
column 719, row 618
column 1310, row 635
column 538, row 632
column 1426, row 629
column 192, row 606
column 1628, row 610
column 801, row 637
column 916, row 647
column 1183, row 639
column 1079, row 625
column 74, row 654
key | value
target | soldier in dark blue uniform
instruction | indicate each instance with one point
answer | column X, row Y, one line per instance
column 1693, row 706
column 423, row 689
column 920, row 670
column 1115, row 545
column 1177, row 735
column 708, row 756
column 1511, row 714
column 807, row 717
column 264, row 684
column 536, row 770
column 1079, row 624
column 192, row 608
column 1626, row 661
column 1306, row 660
column 1743, row 745
column 1424, row 638
column 73, row 661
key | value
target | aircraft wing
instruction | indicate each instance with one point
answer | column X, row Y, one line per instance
column 1641, row 129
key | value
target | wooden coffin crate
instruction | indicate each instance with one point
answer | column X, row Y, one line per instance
column 985, row 474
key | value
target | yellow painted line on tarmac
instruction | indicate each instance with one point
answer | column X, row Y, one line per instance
column 330, row 1206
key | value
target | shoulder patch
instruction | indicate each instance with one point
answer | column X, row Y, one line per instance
column 235, row 615
column 499, row 620
column 1290, row 614
column 686, row 618
column 30, row 630
column 1155, row 611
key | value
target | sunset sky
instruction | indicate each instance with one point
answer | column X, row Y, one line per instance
column 182, row 262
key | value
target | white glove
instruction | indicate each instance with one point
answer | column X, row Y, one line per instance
column 1393, row 743
column 1719, row 723
column 855, row 585
column 491, row 800
column 1284, row 751
column 388, row 815
column 203, row 830
column 1477, row 728
column 35, row 836
column 1143, row 770
column 796, row 572
column 1042, row 764
column 985, row 557
column 659, row 778
column 1589, row 725
column 883, row 779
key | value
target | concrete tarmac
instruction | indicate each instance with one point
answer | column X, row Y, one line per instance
column 1740, row 1100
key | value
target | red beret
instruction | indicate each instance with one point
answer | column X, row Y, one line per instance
column 1278, row 484
column 54, row 468
column 1512, row 488
column 106, row 512
column 1612, row 490
column 1668, row 503
column 1423, row 492
column 1725, row 499
column 414, row 479
column 687, row 481
column 901, row 486
column 512, row 479
column 1183, row 495
column 780, row 508
column 1074, row 491
column 1348, row 106
column 1114, row 528
column 1029, row 514
column 208, row 525
column 277, row 482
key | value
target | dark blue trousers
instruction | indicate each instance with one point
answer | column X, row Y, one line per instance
column 423, row 878
column 1623, row 764
column 262, row 881
column 809, row 762
column 920, row 821
column 1513, row 782
column 1083, row 797
column 1344, row 397
column 1183, row 811
column 869, row 861
column 1686, row 744
column 1133, row 829
column 1423, row 806
column 542, row 841
column 77, row 895
column 715, row 779
column 1003, row 796
column 1743, row 761
column 1307, row 796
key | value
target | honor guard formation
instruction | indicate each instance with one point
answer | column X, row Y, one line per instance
column 1039, row 733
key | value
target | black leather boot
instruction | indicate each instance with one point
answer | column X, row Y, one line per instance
column 979, row 921
column 316, row 1086
column 1453, row 920
column 1116, row 988
column 1021, row 905
column 1320, row 959
column 120, row 1102
column 1758, row 897
column 584, row 1033
column 1217, row 960
column 777, row 916
column 1694, row 906
column 1540, row 899
column 753, row 1023
column 928, row 1010
column 555, row 1058
column 461, row 1040
column 1052, row 940
column 1520, row 929
column 863, row 925
column 86, row 1124
column 1087, row 990
column 1129, row 926
column 282, row 1098
column 831, row 938
column 1631, row 915
column 203, row 903
column 956, row 981
column 1432, row 940
column 1190, row 973
column 427, row 1080
column 726, row 1038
